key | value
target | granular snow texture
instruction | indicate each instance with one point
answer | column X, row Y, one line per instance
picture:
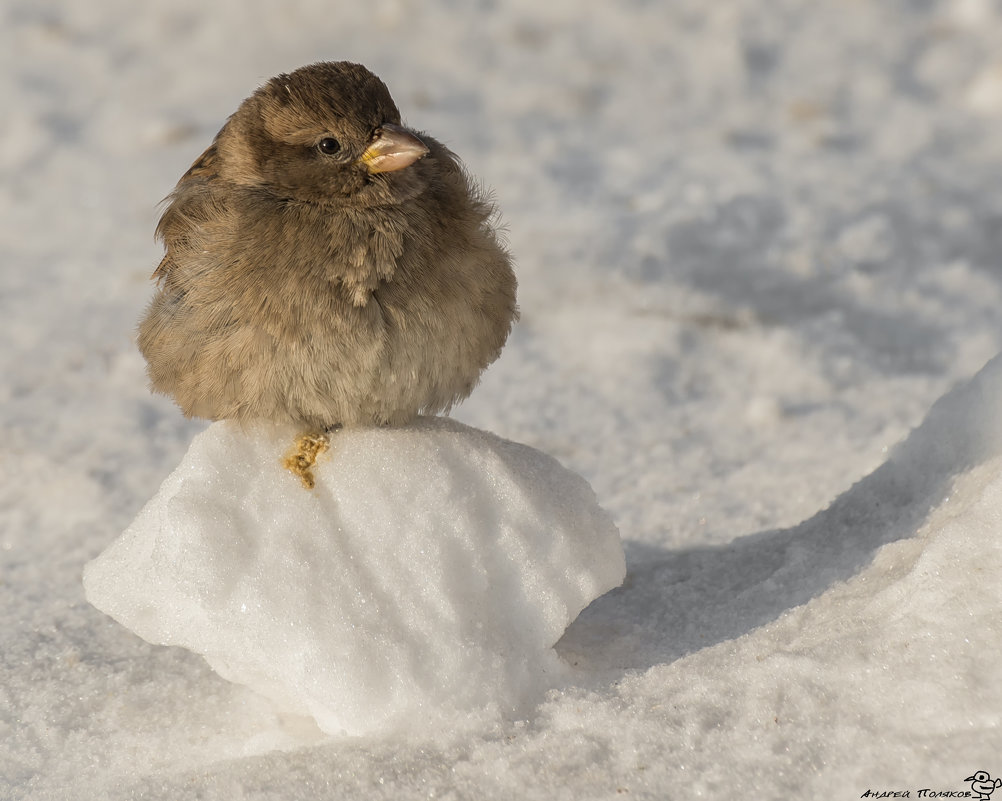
column 429, row 571
column 756, row 241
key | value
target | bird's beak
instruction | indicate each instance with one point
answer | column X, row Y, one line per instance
column 970, row 779
column 393, row 149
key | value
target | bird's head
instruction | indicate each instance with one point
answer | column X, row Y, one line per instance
column 327, row 133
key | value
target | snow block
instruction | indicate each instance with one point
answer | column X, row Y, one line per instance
column 430, row 569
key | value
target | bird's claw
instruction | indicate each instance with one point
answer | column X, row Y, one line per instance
column 303, row 456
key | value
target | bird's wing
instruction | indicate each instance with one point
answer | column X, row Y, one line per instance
column 181, row 211
column 203, row 167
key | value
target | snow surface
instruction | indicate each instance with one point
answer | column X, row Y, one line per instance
column 426, row 576
column 756, row 241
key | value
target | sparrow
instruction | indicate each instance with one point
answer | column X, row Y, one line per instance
column 325, row 266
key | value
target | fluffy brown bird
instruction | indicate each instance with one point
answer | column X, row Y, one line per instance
column 324, row 265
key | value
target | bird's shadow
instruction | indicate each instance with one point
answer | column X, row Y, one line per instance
column 675, row 602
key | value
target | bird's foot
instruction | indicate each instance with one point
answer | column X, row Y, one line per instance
column 303, row 456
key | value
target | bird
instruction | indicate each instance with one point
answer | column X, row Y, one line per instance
column 982, row 784
column 326, row 266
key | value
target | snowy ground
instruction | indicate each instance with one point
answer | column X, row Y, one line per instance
column 756, row 241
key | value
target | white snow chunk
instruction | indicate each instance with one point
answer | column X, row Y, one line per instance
column 430, row 570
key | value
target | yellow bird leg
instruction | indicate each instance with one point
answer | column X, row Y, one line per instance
column 303, row 456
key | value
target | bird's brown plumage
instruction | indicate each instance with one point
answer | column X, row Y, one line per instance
column 300, row 286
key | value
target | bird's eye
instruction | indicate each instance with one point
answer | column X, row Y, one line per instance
column 329, row 145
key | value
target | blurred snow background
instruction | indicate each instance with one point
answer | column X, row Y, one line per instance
column 755, row 241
